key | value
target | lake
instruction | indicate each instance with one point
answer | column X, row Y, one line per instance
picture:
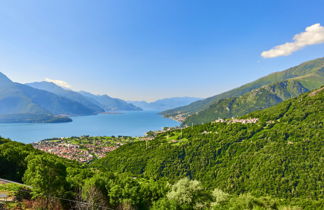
column 124, row 123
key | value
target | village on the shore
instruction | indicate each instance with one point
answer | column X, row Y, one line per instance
column 87, row 148
column 83, row 148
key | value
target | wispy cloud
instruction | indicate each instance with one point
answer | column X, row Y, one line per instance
column 312, row 35
column 59, row 83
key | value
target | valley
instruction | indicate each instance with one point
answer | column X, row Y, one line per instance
column 162, row 105
column 268, row 159
column 262, row 93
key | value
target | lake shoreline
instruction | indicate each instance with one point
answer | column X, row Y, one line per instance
column 133, row 124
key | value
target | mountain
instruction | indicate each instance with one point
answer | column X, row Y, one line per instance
column 22, row 103
column 268, row 159
column 33, row 118
column 13, row 100
column 310, row 74
column 110, row 104
column 274, row 152
column 66, row 93
column 165, row 104
column 254, row 100
column 97, row 103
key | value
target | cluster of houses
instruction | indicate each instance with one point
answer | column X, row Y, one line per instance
column 86, row 152
column 234, row 120
column 179, row 117
column 81, row 153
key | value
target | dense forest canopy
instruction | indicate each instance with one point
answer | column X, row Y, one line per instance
column 272, row 89
column 269, row 159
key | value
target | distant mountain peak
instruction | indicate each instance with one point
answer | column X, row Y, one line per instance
column 4, row 78
column 165, row 103
column 59, row 83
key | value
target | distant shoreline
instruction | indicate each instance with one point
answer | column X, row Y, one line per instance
column 111, row 113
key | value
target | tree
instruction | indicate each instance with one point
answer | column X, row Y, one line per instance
column 185, row 194
column 47, row 176
column 95, row 193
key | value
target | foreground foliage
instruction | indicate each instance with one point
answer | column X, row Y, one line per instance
column 275, row 163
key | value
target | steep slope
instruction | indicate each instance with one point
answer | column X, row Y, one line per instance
column 13, row 101
column 165, row 104
column 310, row 74
column 279, row 153
column 21, row 103
column 66, row 93
column 110, row 104
column 15, row 106
column 257, row 99
column 52, row 103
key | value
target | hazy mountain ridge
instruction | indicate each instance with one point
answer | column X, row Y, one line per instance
column 110, row 104
column 66, row 93
column 22, row 103
column 97, row 103
column 164, row 104
column 310, row 75
column 53, row 103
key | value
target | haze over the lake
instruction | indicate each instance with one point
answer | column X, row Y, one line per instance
column 124, row 124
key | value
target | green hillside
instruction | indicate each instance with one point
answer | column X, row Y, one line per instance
column 269, row 159
column 280, row 155
column 257, row 99
column 310, row 74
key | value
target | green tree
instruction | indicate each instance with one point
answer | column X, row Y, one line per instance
column 186, row 194
column 47, row 175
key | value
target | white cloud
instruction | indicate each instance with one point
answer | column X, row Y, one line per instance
column 313, row 34
column 59, row 83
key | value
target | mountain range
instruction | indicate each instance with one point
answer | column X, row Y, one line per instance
column 165, row 104
column 262, row 93
column 268, row 159
column 97, row 103
column 273, row 152
column 47, row 102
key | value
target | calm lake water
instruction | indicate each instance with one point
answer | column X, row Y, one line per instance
column 125, row 123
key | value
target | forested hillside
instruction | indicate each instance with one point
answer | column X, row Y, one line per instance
column 310, row 74
column 269, row 159
column 257, row 99
column 279, row 155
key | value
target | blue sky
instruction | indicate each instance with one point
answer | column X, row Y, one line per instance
column 150, row 49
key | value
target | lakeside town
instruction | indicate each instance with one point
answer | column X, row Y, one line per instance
column 88, row 148
column 84, row 148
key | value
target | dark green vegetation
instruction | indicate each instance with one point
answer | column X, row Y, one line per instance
column 257, row 99
column 275, row 163
column 95, row 140
column 281, row 155
column 306, row 76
